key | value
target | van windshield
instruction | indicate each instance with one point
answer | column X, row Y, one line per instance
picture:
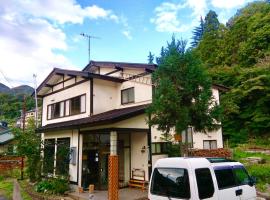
column 170, row 182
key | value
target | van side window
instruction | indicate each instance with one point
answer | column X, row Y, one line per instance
column 170, row 182
column 225, row 177
column 205, row 183
column 241, row 175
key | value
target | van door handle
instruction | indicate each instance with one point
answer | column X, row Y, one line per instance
column 238, row 192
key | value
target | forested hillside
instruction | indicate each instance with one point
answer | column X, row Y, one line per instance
column 11, row 101
column 237, row 55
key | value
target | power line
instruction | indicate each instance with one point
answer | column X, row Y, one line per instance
column 6, row 78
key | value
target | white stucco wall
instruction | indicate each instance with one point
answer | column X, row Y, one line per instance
column 142, row 93
column 73, row 135
column 139, row 160
column 198, row 138
column 156, row 157
column 104, row 95
column 83, row 88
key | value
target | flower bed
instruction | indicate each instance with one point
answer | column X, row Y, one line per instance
column 224, row 153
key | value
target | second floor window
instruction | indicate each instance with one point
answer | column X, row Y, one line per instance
column 127, row 96
column 73, row 106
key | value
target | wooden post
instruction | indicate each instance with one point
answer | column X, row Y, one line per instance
column 22, row 166
column 113, row 168
column 113, row 177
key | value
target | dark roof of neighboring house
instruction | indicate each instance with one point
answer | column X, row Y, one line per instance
column 119, row 64
column 220, row 87
column 98, row 119
column 6, row 136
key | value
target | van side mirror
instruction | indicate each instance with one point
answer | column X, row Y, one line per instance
column 252, row 181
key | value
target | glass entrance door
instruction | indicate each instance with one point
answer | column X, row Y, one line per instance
column 96, row 148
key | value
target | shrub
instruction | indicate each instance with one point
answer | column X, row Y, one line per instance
column 52, row 186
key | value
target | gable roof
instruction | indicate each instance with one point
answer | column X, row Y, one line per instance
column 72, row 73
column 104, row 118
column 111, row 64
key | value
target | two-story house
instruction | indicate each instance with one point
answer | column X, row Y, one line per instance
column 83, row 109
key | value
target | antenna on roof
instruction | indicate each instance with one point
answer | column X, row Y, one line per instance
column 89, row 37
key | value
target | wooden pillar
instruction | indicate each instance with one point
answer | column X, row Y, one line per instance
column 113, row 168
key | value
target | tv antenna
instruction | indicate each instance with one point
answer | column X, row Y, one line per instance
column 89, row 37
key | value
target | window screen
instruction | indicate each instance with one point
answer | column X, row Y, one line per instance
column 170, row 182
column 75, row 105
column 127, row 96
column 225, row 177
column 48, row 160
column 204, row 183
column 62, row 156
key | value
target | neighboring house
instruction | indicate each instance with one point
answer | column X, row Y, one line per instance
column 83, row 109
column 6, row 138
column 30, row 114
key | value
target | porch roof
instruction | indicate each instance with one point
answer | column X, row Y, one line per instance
column 104, row 118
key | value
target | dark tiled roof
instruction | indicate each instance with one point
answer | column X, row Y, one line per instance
column 99, row 119
column 119, row 64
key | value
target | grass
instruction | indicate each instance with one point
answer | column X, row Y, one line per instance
column 25, row 195
column 6, row 188
column 239, row 154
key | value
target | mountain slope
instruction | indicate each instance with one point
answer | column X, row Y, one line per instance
column 4, row 88
column 22, row 89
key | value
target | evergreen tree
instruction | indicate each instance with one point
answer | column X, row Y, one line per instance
column 209, row 46
column 151, row 58
column 211, row 22
column 197, row 34
column 183, row 93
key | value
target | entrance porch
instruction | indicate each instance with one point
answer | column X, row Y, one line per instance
column 96, row 145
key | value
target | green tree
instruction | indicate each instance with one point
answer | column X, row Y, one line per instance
column 197, row 33
column 183, row 95
column 246, row 106
column 151, row 58
column 209, row 46
column 29, row 145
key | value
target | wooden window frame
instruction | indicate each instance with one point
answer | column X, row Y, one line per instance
column 210, row 144
column 162, row 152
column 65, row 115
column 122, row 96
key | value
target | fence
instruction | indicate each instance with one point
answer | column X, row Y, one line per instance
column 9, row 163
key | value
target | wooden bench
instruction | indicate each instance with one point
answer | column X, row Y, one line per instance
column 137, row 179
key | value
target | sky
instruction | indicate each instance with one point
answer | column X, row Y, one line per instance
column 38, row 35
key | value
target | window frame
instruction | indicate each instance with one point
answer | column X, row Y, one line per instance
column 210, row 146
column 163, row 150
column 133, row 101
column 64, row 107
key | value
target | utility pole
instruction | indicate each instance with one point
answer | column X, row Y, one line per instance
column 89, row 37
column 23, row 112
column 36, row 113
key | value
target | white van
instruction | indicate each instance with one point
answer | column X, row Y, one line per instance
column 200, row 178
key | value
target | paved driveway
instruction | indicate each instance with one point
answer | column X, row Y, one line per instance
column 2, row 198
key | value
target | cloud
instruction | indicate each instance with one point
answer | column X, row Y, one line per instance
column 32, row 39
column 228, row 4
column 64, row 11
column 166, row 19
column 167, row 15
column 27, row 46
column 127, row 34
